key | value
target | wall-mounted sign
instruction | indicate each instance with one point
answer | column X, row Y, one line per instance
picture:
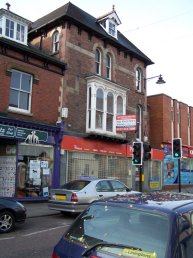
column 125, row 123
column 7, row 131
column 29, row 135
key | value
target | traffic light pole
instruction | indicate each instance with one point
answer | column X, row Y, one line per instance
column 140, row 178
column 179, row 177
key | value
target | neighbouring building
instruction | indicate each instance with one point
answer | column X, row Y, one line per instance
column 105, row 78
column 168, row 119
column 30, row 94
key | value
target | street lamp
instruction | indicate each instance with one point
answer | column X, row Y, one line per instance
column 159, row 81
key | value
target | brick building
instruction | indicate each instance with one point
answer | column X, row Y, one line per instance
column 105, row 78
column 30, row 96
column 168, row 119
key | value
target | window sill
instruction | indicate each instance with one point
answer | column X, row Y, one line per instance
column 19, row 112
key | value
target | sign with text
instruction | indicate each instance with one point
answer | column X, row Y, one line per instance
column 29, row 135
column 125, row 123
column 7, row 131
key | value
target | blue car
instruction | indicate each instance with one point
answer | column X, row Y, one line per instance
column 148, row 225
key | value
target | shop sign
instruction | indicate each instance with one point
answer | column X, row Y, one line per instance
column 30, row 135
column 125, row 123
column 7, row 131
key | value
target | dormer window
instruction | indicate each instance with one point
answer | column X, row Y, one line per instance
column 109, row 23
column 112, row 29
column 13, row 27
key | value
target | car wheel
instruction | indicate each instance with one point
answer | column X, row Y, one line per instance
column 7, row 221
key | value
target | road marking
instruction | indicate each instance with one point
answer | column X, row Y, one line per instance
column 7, row 238
column 42, row 231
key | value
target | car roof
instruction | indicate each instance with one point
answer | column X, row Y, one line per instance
column 157, row 200
column 90, row 178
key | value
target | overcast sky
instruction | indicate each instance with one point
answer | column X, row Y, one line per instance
column 161, row 29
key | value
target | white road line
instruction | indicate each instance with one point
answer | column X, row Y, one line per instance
column 7, row 238
column 42, row 231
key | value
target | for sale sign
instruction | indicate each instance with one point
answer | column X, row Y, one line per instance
column 125, row 123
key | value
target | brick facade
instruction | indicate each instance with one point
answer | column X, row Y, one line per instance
column 45, row 89
column 161, row 110
column 78, row 51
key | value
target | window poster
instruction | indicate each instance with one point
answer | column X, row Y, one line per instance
column 171, row 171
column 34, row 169
column 7, row 175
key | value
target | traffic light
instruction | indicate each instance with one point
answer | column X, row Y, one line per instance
column 137, row 153
column 146, row 151
column 177, row 148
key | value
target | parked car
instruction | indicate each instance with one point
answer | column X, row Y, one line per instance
column 11, row 212
column 150, row 225
column 76, row 195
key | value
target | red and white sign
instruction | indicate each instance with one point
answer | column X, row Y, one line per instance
column 125, row 123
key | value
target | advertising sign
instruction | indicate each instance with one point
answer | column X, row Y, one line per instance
column 125, row 123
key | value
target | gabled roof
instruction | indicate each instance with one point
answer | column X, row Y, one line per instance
column 113, row 13
column 73, row 14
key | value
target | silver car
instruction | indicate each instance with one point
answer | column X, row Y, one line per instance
column 76, row 195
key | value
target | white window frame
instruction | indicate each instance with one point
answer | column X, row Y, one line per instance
column 112, row 28
column 55, row 41
column 98, row 62
column 18, row 36
column 108, row 66
column 138, row 78
column 20, row 91
column 93, row 84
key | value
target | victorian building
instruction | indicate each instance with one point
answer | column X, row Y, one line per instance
column 103, row 85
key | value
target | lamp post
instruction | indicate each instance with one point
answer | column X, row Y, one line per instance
column 159, row 81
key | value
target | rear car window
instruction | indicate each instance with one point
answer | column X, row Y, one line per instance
column 76, row 185
column 146, row 231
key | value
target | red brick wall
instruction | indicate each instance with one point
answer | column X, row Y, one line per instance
column 191, row 125
column 78, row 51
column 159, row 107
column 183, row 108
column 45, row 91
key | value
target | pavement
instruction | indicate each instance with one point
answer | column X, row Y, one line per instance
column 38, row 209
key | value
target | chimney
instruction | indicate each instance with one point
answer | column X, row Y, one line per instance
column 8, row 6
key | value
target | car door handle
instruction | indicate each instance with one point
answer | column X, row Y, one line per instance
column 100, row 195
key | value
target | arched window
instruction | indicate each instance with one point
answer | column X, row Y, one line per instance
column 108, row 66
column 138, row 79
column 139, row 122
column 99, row 108
column 98, row 61
column 119, row 105
column 55, row 42
column 110, row 112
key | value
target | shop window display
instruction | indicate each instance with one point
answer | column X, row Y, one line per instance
column 34, row 171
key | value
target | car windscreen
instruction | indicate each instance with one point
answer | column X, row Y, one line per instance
column 140, row 229
column 76, row 185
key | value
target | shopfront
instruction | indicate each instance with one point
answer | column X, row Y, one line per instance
column 86, row 157
column 29, row 157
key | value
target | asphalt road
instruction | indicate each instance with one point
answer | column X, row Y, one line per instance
column 35, row 238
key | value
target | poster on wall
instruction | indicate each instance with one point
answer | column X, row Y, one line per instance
column 170, row 170
column 7, row 175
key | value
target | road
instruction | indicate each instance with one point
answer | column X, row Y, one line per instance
column 35, row 238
